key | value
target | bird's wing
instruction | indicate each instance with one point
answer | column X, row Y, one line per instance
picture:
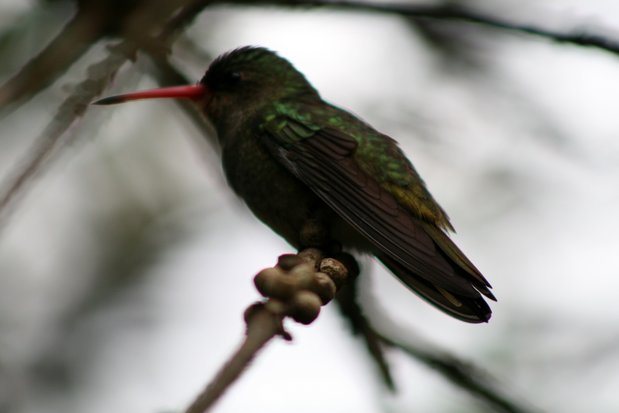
column 326, row 158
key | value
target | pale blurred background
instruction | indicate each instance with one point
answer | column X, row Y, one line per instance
column 126, row 267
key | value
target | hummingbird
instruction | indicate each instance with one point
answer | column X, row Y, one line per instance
column 291, row 156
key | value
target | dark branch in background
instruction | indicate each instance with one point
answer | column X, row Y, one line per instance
column 152, row 27
column 347, row 302
column 97, row 19
column 477, row 381
column 138, row 28
column 449, row 14
column 137, row 20
column 74, row 40
column 74, row 107
column 92, row 21
column 69, row 111
column 167, row 74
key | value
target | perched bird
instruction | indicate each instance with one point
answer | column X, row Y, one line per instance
column 293, row 157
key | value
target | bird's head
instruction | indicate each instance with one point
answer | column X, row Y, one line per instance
column 236, row 84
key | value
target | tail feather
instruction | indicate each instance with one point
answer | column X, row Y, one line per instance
column 466, row 308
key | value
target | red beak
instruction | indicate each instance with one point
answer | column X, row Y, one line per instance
column 176, row 92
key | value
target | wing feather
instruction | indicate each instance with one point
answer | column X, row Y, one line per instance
column 325, row 162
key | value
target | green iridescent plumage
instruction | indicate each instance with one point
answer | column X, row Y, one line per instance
column 291, row 156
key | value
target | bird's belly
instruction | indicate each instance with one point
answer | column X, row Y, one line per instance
column 279, row 199
column 270, row 191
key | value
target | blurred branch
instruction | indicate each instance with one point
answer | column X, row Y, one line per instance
column 463, row 374
column 86, row 27
column 168, row 75
column 295, row 288
column 135, row 20
column 348, row 305
column 447, row 13
column 74, row 107
column 90, row 24
column 264, row 321
column 71, row 109
column 96, row 19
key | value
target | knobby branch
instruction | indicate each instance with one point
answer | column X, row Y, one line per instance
column 296, row 287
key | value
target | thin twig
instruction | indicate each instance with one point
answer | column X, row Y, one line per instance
column 86, row 28
column 74, row 107
column 93, row 21
column 463, row 374
column 447, row 13
column 347, row 301
column 68, row 112
column 75, row 39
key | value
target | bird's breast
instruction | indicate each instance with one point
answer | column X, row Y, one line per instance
column 271, row 192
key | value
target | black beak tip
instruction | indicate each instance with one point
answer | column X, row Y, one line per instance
column 112, row 100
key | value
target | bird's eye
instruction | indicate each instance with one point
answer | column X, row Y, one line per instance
column 232, row 78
